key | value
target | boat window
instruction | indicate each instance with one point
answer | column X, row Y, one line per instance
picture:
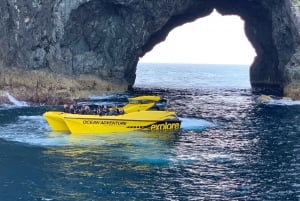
column 134, row 102
column 161, row 105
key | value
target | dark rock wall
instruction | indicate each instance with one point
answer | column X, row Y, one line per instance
column 264, row 72
column 103, row 39
column 108, row 37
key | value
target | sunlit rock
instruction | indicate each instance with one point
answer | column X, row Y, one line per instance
column 264, row 98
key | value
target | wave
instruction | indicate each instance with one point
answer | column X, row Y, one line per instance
column 283, row 102
column 35, row 130
column 272, row 100
column 37, row 117
column 195, row 124
column 139, row 147
column 14, row 101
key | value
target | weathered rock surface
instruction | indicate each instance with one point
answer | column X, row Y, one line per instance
column 69, row 48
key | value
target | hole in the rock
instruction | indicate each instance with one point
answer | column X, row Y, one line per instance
column 214, row 40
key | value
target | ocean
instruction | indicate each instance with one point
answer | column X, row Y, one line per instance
column 230, row 146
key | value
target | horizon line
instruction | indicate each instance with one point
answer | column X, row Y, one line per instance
column 143, row 62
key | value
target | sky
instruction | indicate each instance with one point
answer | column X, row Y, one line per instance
column 215, row 39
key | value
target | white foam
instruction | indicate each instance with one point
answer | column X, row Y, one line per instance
column 38, row 117
column 195, row 124
column 14, row 101
column 283, row 102
column 34, row 130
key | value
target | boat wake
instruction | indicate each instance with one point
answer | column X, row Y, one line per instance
column 31, row 130
column 195, row 124
column 139, row 147
column 283, row 102
column 34, row 130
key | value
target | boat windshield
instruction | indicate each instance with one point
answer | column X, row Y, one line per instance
column 161, row 105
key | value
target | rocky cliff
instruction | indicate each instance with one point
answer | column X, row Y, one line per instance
column 56, row 49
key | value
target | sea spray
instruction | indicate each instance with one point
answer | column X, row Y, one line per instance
column 195, row 124
column 14, row 101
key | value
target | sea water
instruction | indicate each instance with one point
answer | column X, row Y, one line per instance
column 230, row 146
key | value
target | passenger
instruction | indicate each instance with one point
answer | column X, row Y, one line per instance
column 120, row 110
column 113, row 111
column 66, row 108
column 105, row 110
column 87, row 109
column 72, row 109
column 82, row 110
column 99, row 110
column 76, row 109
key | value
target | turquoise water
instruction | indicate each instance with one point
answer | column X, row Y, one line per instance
column 230, row 146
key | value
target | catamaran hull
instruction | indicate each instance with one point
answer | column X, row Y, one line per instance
column 145, row 120
column 56, row 121
column 111, row 126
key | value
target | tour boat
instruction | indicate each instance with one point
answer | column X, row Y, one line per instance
column 141, row 113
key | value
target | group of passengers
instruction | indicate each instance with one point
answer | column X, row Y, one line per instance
column 99, row 110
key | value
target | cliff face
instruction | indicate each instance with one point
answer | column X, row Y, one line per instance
column 72, row 48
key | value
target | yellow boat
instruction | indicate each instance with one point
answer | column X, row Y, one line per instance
column 141, row 113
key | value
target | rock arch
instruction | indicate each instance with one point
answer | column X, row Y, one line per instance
column 103, row 39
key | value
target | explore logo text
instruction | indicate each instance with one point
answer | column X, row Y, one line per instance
column 165, row 126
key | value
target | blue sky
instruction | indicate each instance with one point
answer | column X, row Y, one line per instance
column 214, row 39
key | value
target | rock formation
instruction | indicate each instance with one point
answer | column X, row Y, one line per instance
column 69, row 48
